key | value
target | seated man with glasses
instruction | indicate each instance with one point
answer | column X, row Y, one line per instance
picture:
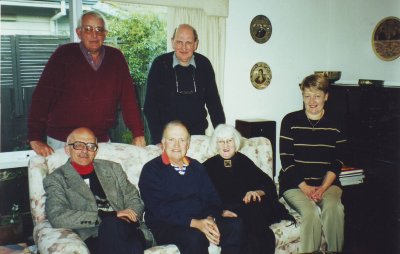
column 83, row 84
column 180, row 85
column 95, row 199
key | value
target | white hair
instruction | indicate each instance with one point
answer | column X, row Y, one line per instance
column 92, row 13
column 225, row 131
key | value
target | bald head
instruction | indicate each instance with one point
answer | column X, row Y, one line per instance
column 175, row 141
column 81, row 146
column 173, row 124
column 81, row 132
column 188, row 29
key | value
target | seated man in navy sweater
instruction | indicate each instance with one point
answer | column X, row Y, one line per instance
column 182, row 206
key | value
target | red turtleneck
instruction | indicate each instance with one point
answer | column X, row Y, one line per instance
column 82, row 169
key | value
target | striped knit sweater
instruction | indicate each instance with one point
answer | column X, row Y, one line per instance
column 309, row 149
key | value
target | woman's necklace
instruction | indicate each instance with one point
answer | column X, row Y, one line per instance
column 313, row 125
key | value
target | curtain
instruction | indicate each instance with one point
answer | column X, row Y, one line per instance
column 211, row 32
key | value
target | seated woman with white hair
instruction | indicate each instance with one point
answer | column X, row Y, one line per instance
column 245, row 190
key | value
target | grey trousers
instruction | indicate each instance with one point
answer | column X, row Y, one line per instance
column 326, row 216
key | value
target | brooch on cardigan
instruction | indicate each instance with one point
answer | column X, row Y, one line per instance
column 227, row 163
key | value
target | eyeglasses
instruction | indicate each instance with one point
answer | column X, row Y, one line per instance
column 78, row 145
column 227, row 142
column 187, row 45
column 98, row 29
column 186, row 92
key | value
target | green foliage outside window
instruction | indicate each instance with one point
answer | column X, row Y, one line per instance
column 141, row 38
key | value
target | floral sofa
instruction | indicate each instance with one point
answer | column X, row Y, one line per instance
column 132, row 158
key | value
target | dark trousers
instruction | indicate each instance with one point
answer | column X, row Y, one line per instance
column 260, row 239
column 192, row 241
column 116, row 236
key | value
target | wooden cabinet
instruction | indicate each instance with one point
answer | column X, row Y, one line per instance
column 371, row 116
column 250, row 128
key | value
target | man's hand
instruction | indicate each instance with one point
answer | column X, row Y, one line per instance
column 41, row 148
column 230, row 214
column 208, row 227
column 139, row 141
column 127, row 215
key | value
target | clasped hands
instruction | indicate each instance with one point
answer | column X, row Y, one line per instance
column 315, row 193
column 208, row 227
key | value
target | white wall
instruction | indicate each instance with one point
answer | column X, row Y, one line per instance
column 350, row 46
column 307, row 35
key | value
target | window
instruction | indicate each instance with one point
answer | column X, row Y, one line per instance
column 31, row 31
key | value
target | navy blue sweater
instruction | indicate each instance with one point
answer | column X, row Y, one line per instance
column 171, row 198
column 163, row 103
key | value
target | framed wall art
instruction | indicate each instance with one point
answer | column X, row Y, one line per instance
column 260, row 29
column 386, row 39
column 260, row 75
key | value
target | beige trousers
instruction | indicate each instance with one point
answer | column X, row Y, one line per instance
column 326, row 216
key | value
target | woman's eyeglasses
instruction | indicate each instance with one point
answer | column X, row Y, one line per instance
column 194, row 90
column 227, row 142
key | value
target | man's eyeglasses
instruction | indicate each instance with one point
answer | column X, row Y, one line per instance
column 78, row 145
column 186, row 92
column 187, row 45
column 98, row 29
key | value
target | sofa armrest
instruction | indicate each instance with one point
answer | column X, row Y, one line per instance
column 37, row 171
column 259, row 150
column 57, row 240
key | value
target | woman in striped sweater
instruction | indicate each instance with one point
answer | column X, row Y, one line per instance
column 311, row 152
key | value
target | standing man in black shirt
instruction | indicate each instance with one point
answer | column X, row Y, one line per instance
column 179, row 86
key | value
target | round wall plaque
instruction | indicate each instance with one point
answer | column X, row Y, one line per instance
column 260, row 29
column 386, row 39
column 260, row 75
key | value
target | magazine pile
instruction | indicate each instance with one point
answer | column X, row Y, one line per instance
column 351, row 176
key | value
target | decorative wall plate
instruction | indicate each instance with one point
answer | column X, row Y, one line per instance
column 260, row 29
column 386, row 39
column 260, row 75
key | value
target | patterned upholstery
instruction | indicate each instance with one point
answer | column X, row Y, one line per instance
column 132, row 158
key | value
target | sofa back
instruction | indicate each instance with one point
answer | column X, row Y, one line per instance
column 132, row 159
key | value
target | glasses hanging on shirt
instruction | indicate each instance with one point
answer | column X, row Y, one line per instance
column 192, row 91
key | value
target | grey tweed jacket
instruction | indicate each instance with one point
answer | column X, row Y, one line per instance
column 70, row 202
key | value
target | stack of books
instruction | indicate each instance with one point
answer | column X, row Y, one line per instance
column 351, row 176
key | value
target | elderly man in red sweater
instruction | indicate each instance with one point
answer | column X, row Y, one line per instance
column 82, row 85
